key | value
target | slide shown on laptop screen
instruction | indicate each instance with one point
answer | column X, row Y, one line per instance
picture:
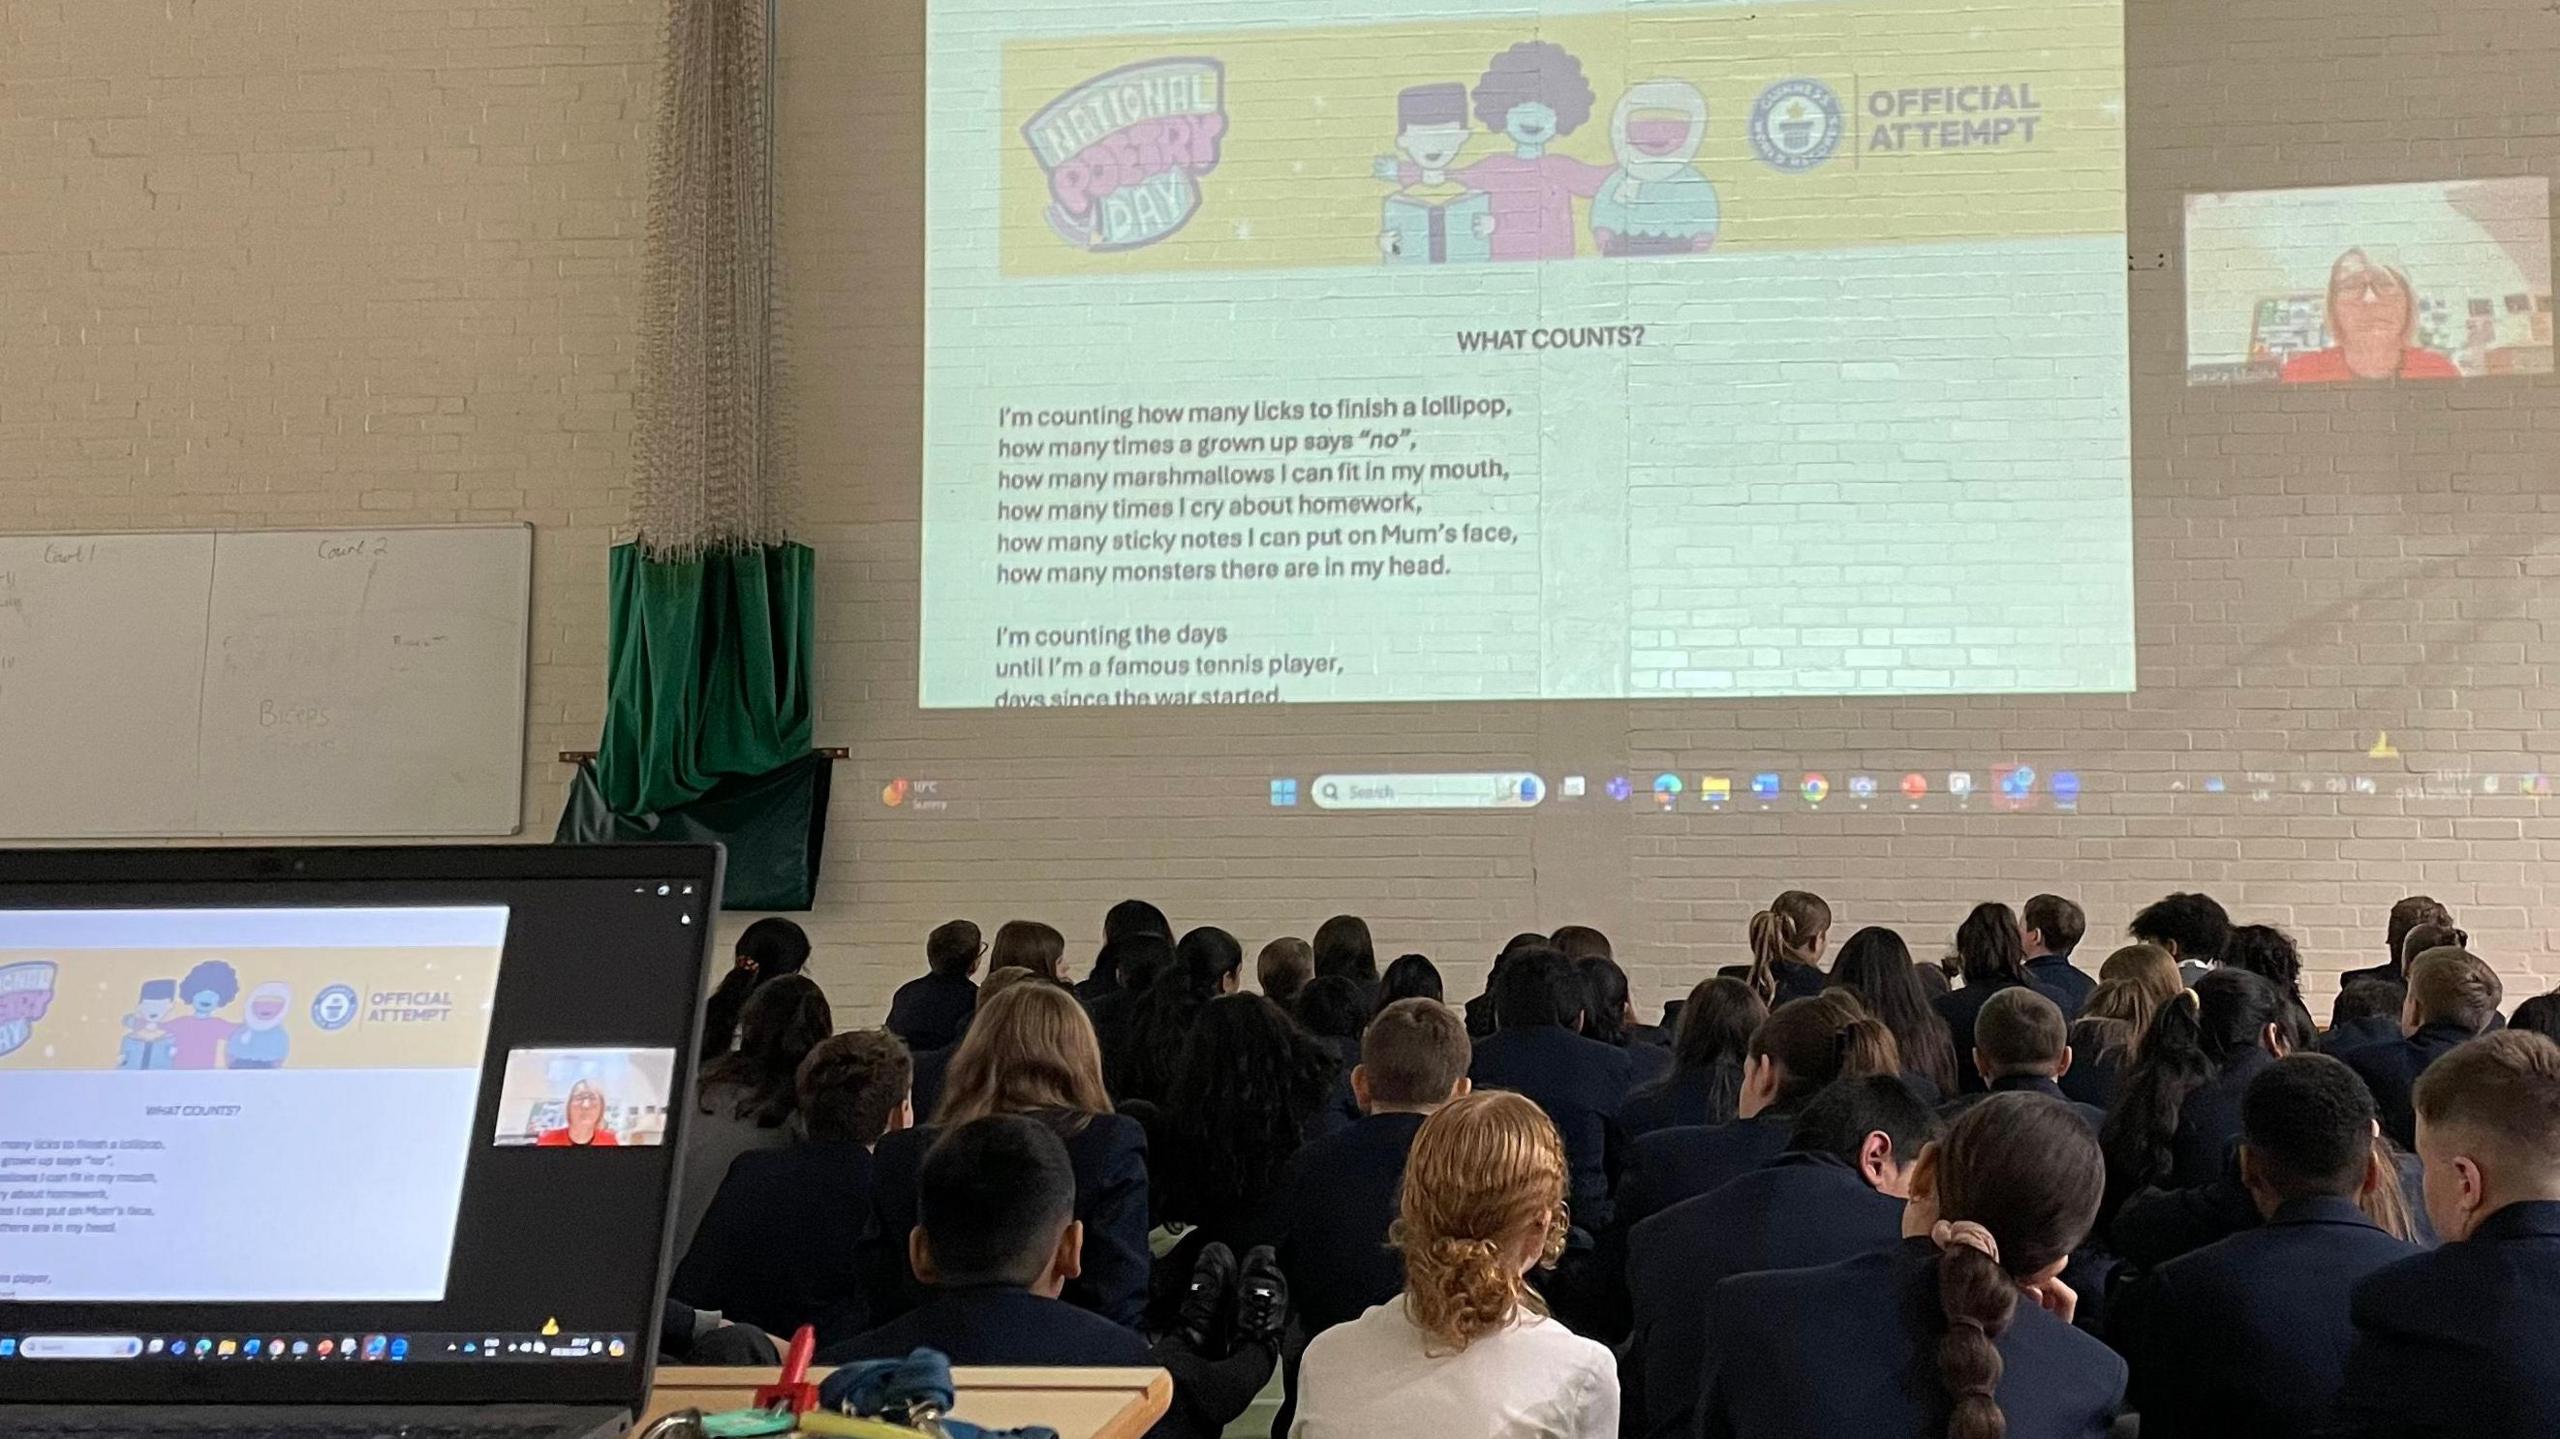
column 186, row 1079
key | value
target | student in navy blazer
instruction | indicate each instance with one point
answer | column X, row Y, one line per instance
column 1965, row 1320
column 2408, row 916
column 1836, row 1193
column 2021, row 1044
column 2452, row 997
column 2457, row 1341
column 1030, row 1051
column 931, row 1012
column 2179, row 1113
column 2249, row 1335
column 1538, row 1052
column 1712, row 1040
column 2367, row 1011
column 2054, row 927
column 1993, row 951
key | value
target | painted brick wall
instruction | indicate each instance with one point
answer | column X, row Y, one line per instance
column 276, row 262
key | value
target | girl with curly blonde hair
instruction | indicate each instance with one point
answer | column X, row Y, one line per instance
column 1468, row 1347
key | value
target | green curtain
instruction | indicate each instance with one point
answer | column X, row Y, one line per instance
column 707, row 665
column 774, row 825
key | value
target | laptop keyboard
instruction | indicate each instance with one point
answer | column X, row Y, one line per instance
column 335, row 1429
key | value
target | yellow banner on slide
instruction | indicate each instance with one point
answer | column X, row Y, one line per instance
column 1798, row 126
column 246, row 1007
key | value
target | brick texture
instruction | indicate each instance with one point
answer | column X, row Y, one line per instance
column 277, row 262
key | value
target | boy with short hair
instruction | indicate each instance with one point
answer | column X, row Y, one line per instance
column 2270, row 1303
column 2455, row 1340
column 932, row 1011
column 2453, row 995
column 2021, row 1041
column 1285, row 966
column 2054, row 927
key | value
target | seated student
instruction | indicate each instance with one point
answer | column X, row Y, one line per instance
column 1412, row 976
column 746, row 1097
column 2132, row 985
column 1030, row 1051
column 1610, row 1018
column 1467, row 1348
column 1136, row 960
column 1339, row 1198
column 2020, row 1045
column 1971, row 1298
column 2180, row 1111
column 1248, row 1089
column 2263, row 949
column 2249, row 1335
column 2407, row 916
column 2540, row 1014
column 2054, row 926
column 932, row 1065
column 1480, row 1010
column 1540, row 1052
column 2366, row 1012
column 776, row 1247
column 2452, row 997
column 1806, row 1044
column 996, row 1240
column 2457, row 1341
column 1207, row 963
column 1283, row 968
column 1991, row 950
column 2190, row 928
column 1128, row 917
column 1875, row 965
column 1836, row 1193
column 766, row 951
column 930, row 1011
column 1787, row 940
column 1028, row 944
column 1343, row 947
column 1709, row 1043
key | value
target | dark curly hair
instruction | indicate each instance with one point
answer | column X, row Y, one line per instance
column 1534, row 70
column 1249, row 1082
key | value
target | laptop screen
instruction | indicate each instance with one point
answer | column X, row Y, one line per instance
column 394, row 1125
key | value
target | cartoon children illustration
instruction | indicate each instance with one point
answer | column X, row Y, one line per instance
column 146, row 1045
column 1656, row 202
column 585, row 1127
column 261, row 1042
column 1535, row 93
column 196, row 1038
column 1433, row 219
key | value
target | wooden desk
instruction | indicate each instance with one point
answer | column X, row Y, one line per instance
column 1078, row 1403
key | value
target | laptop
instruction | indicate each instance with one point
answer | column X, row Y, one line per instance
column 361, row 1141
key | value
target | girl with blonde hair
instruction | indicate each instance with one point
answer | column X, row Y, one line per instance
column 1468, row 1347
column 1030, row 1051
column 2132, row 985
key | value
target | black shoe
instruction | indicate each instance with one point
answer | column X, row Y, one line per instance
column 1262, row 1300
column 1204, row 1304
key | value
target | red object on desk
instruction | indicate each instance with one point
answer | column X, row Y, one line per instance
column 793, row 1391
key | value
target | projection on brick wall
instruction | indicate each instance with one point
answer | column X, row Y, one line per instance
column 1286, row 355
column 2370, row 283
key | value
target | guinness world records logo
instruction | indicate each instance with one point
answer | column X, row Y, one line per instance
column 1796, row 124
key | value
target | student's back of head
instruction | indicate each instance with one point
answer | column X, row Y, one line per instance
column 1343, row 947
column 1604, row 999
column 767, row 950
column 1330, row 1007
column 1815, row 1040
column 2191, row 1040
column 1412, row 976
column 1792, row 930
column 2012, row 1189
column 2306, row 1132
column 1030, row 1048
column 2132, row 985
column 995, row 1204
column 783, row 1021
column 1283, row 968
column 1846, row 1118
column 2267, row 950
column 1712, row 1039
column 1247, row 1082
column 1578, row 942
column 2020, row 1032
column 1876, row 966
column 1413, row 1057
column 2538, row 1015
column 855, row 1087
column 1485, row 1179
column 1990, row 947
column 2453, row 986
column 1537, row 987
column 2057, row 923
column 2408, row 915
column 2192, row 928
column 2489, row 1128
column 2372, row 997
column 1125, row 920
column 1133, row 961
column 1028, row 944
column 1206, row 963
column 953, row 949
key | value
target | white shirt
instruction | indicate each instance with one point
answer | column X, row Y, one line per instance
column 1379, row 1374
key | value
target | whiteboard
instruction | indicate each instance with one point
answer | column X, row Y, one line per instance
column 318, row 683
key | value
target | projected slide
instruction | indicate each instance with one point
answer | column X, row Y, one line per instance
column 1641, row 350
column 238, row 1105
column 2370, row 282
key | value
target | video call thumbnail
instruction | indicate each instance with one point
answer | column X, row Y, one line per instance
column 585, row 1098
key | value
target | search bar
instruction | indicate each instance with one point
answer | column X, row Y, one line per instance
column 1510, row 789
column 80, row 1346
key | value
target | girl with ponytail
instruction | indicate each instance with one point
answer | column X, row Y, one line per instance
column 2180, row 1107
column 767, row 950
column 1991, row 952
column 1786, row 947
column 1973, row 1300
column 1468, row 1347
